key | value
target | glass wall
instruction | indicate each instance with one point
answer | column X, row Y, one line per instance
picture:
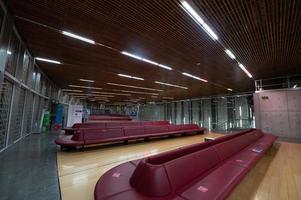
column 24, row 89
column 217, row 113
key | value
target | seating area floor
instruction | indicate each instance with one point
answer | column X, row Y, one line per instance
column 276, row 176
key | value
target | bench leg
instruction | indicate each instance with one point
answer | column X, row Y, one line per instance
column 126, row 142
column 146, row 139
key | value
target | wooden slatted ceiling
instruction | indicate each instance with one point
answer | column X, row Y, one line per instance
column 264, row 35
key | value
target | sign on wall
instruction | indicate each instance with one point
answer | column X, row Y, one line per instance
column 75, row 114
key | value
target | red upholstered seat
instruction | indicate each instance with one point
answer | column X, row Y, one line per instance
column 131, row 131
column 114, row 132
column 208, row 170
column 68, row 142
column 115, row 181
column 216, row 184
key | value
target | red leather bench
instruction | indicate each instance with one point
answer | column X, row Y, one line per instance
column 84, row 137
column 208, row 170
column 102, row 125
column 109, row 117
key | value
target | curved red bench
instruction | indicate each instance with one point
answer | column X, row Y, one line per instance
column 84, row 137
column 102, row 125
column 208, row 170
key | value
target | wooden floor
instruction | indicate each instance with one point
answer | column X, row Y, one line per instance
column 277, row 176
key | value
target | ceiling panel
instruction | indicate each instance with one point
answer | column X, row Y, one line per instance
column 264, row 35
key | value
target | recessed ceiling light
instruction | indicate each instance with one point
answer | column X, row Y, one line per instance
column 132, row 86
column 48, row 60
column 229, row 89
column 230, row 54
column 86, row 87
column 195, row 77
column 91, row 95
column 245, row 70
column 172, row 85
column 121, row 94
column 78, row 37
column 132, row 77
column 210, row 32
column 196, row 17
column 70, row 90
column 131, row 55
column 137, row 92
column 146, row 60
column 86, row 80
column 192, row 13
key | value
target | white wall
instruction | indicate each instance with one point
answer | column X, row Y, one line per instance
column 279, row 112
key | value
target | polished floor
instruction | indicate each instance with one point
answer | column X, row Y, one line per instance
column 28, row 169
column 277, row 176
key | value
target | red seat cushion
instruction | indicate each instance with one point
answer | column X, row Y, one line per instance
column 114, row 181
column 202, row 160
column 67, row 141
column 216, row 185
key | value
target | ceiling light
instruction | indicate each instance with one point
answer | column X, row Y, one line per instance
column 194, row 15
column 78, row 37
column 210, row 32
column 229, row 89
column 245, row 70
column 132, row 86
column 8, row 52
column 137, row 92
column 295, row 86
column 91, row 95
column 70, row 90
column 172, row 85
column 230, row 54
column 86, row 87
column 146, row 60
column 111, row 93
column 165, row 67
column 86, row 80
column 48, row 60
column 170, row 98
column 132, row 77
column 195, row 77
column 131, row 55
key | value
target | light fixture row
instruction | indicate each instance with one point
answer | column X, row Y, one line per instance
column 75, row 36
column 198, row 19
